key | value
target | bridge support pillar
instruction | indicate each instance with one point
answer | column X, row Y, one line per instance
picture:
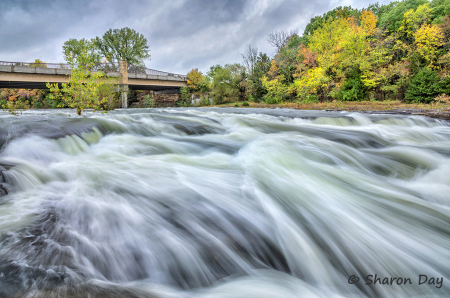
column 124, row 96
column 123, row 70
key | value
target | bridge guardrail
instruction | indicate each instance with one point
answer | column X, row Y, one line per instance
column 105, row 67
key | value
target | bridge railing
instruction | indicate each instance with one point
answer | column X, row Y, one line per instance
column 33, row 64
column 104, row 67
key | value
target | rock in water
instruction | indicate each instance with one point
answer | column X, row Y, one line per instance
column 4, row 187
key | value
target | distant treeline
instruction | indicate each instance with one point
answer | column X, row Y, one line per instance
column 398, row 51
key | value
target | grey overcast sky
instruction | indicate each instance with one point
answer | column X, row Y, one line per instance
column 181, row 34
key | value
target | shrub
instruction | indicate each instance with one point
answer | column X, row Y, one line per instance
column 311, row 98
column 353, row 88
column 37, row 105
column 444, row 85
column 204, row 101
column 23, row 94
column 443, row 98
column 245, row 104
column 277, row 90
column 148, row 101
column 183, row 103
column 423, row 87
column 4, row 94
column 48, row 100
column 184, row 93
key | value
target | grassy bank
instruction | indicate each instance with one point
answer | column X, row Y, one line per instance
column 435, row 110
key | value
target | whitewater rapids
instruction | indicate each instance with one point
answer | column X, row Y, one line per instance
column 223, row 203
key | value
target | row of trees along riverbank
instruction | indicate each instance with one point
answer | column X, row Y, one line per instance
column 398, row 51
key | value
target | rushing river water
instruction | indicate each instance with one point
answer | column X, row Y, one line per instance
column 223, row 203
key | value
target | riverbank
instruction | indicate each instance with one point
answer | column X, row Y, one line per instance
column 437, row 111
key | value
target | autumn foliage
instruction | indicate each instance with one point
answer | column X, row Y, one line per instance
column 398, row 51
column 194, row 78
column 349, row 54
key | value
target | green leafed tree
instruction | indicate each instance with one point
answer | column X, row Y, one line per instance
column 424, row 87
column 124, row 44
column 353, row 88
column 74, row 47
column 256, row 66
column 392, row 19
column 86, row 89
column 226, row 85
column 318, row 21
column 441, row 8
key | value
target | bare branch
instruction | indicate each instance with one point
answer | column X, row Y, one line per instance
column 250, row 57
column 279, row 39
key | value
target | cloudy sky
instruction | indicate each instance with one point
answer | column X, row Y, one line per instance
column 181, row 34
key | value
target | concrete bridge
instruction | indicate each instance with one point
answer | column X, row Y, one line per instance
column 36, row 75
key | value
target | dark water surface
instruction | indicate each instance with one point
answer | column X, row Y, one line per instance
column 223, row 203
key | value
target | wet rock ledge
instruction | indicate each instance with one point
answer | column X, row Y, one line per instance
column 443, row 114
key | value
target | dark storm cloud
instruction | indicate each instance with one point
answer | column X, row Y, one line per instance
column 194, row 16
column 32, row 29
column 182, row 34
column 204, row 33
column 25, row 24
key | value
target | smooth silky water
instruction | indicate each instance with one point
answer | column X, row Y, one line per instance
column 223, row 203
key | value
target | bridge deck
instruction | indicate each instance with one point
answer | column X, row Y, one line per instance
column 25, row 75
